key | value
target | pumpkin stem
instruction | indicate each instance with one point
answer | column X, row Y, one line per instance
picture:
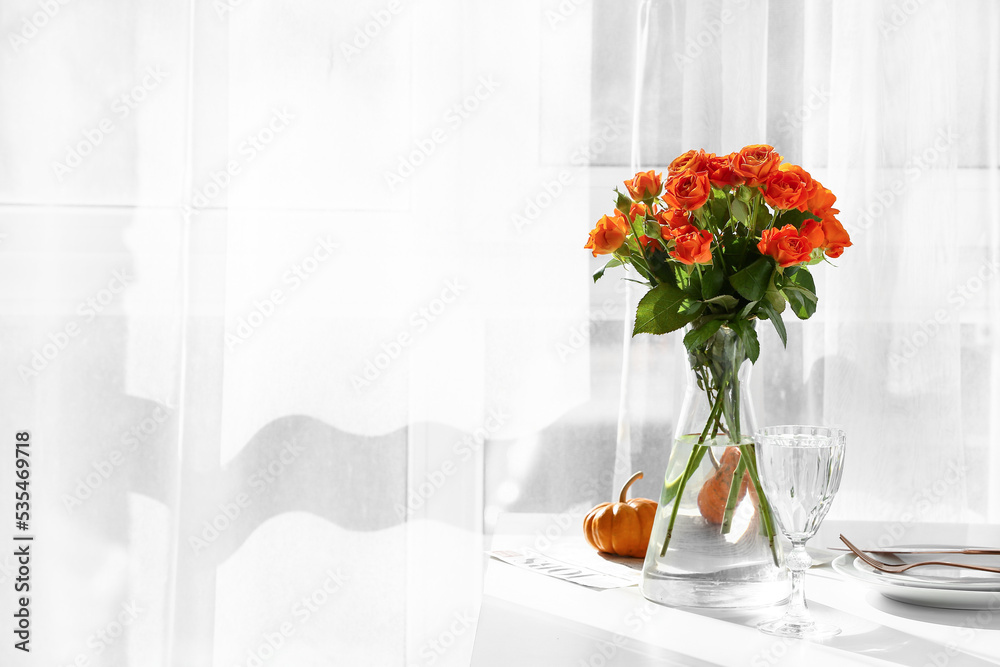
column 631, row 480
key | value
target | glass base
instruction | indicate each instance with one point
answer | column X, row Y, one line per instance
column 712, row 590
column 783, row 627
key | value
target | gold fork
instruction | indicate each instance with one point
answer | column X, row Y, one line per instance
column 895, row 569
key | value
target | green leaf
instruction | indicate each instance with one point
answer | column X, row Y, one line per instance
column 696, row 338
column 659, row 311
column 736, row 249
column 692, row 307
column 752, row 281
column 806, row 294
column 763, row 218
column 639, row 263
column 775, row 298
column 720, row 210
column 747, row 309
column 689, row 281
column 795, row 217
column 613, row 263
column 800, row 290
column 741, row 212
column 712, row 279
column 775, row 318
column 727, row 301
column 748, row 336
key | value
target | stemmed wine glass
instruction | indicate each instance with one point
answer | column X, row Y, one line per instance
column 800, row 469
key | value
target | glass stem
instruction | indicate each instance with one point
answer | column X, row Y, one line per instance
column 734, row 427
column 798, row 562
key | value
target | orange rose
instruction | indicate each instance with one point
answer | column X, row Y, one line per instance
column 837, row 237
column 721, row 174
column 693, row 160
column 608, row 235
column 813, row 231
column 694, row 248
column 673, row 218
column 644, row 185
column 755, row 163
column 828, row 234
column 788, row 187
column 785, row 245
column 820, row 199
column 650, row 245
column 677, row 232
column 688, row 190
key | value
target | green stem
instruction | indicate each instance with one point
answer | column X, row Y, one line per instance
column 642, row 251
column 767, row 519
column 715, row 430
column 702, row 376
column 699, row 216
column 734, row 426
column 734, row 494
column 697, row 453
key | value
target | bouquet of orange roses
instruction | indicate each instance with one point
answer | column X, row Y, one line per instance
column 724, row 242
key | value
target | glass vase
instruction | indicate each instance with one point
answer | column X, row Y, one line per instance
column 714, row 541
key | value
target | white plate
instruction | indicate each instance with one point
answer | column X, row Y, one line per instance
column 819, row 555
column 912, row 593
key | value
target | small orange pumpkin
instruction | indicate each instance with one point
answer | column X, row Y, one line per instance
column 623, row 527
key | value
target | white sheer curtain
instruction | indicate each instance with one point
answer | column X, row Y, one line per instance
column 269, row 435
column 295, row 303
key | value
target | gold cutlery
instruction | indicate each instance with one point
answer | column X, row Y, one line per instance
column 925, row 550
column 896, row 569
